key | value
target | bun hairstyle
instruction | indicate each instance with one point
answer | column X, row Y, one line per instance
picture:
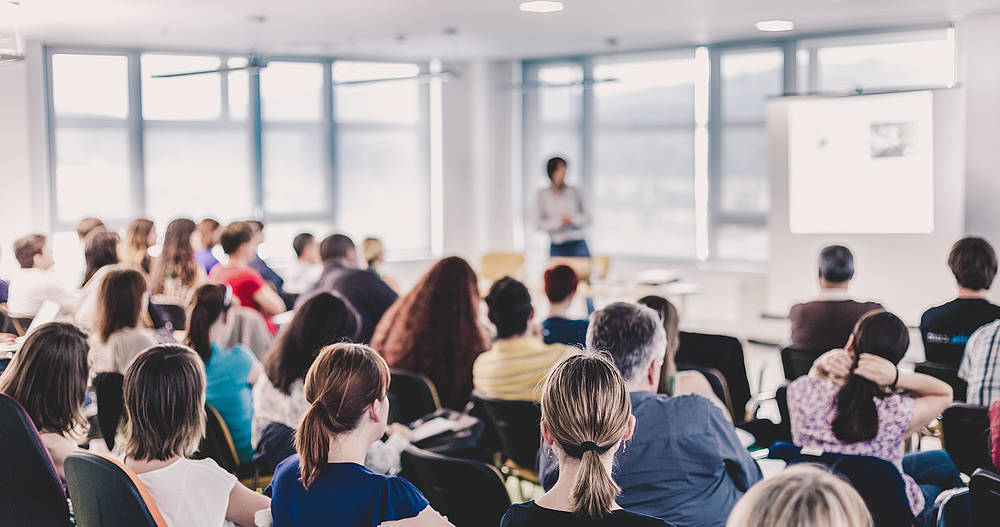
column 344, row 380
column 586, row 407
column 878, row 333
column 509, row 305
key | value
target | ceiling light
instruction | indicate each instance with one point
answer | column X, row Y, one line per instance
column 541, row 6
column 775, row 25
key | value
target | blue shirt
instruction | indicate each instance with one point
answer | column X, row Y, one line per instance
column 343, row 495
column 231, row 395
column 206, row 259
column 559, row 330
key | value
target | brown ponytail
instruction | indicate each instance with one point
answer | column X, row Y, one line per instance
column 209, row 303
column 342, row 383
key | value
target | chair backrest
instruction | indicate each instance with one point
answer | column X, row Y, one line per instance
column 723, row 353
column 411, row 396
column 946, row 373
column 966, row 436
column 110, row 404
column 30, row 490
column 494, row 266
column 469, row 493
column 516, row 425
column 167, row 315
column 107, row 494
column 797, row 362
column 785, row 426
column 719, row 386
column 985, row 490
column 218, row 443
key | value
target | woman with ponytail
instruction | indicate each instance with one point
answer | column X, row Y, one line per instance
column 326, row 483
column 586, row 415
column 856, row 401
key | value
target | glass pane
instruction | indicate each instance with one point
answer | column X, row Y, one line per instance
column 211, row 178
column 92, row 173
column 372, row 161
column 649, row 92
column 748, row 79
column 898, row 64
column 90, row 85
column 381, row 102
column 802, row 57
column 193, row 97
column 561, row 102
column 745, row 168
column 295, row 174
column 645, row 180
column 239, row 89
column 278, row 239
column 292, row 91
column 742, row 242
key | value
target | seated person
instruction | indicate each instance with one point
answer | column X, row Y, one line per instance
column 206, row 239
column 946, row 328
column 673, row 382
column 258, row 264
column 237, row 240
column 685, row 464
column 560, row 288
column 48, row 376
column 586, row 416
column 87, row 226
column 307, row 267
column 347, row 387
column 826, row 322
column 139, row 237
column 176, row 273
column 100, row 251
column 981, row 365
column 515, row 367
column 118, row 336
column 369, row 295
column 849, row 404
column 36, row 282
column 373, row 254
column 165, row 407
column 802, row 495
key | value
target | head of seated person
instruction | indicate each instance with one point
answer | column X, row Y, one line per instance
column 373, row 252
column 237, row 241
column 634, row 337
column 121, row 299
column 671, row 326
column 139, row 237
column 338, row 249
column 306, row 248
column 176, row 258
column 510, row 310
column 802, row 495
column 33, row 252
column 561, row 282
column 974, row 263
column 836, row 267
column 206, row 234
column 257, row 227
column 86, row 226
column 100, row 248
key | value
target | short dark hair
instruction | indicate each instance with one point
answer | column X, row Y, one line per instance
column 234, row 236
column 302, row 241
column 509, row 305
column 553, row 164
column 335, row 247
column 836, row 264
column 973, row 262
column 560, row 282
column 206, row 228
column 100, row 248
column 119, row 301
column 632, row 334
column 27, row 247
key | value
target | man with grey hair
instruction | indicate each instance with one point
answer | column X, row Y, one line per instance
column 685, row 463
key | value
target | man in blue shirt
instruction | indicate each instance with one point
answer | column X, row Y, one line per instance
column 685, row 463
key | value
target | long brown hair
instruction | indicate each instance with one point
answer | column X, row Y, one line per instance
column 137, row 243
column 119, row 301
column 434, row 330
column 671, row 319
column 100, row 248
column 210, row 302
column 177, row 257
column 342, row 383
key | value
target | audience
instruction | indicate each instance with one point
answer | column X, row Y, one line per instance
column 118, row 338
column 176, row 273
column 586, row 416
column 237, row 240
column 673, row 382
column 560, row 288
column 685, row 463
column 515, row 367
column 945, row 329
column 87, row 226
column 347, row 387
column 230, row 372
column 207, row 231
column 139, row 237
column 48, row 377
column 801, row 496
column 366, row 292
column 850, row 404
column 826, row 322
column 307, row 267
column 101, row 254
column 434, row 330
column 165, row 407
column 258, row 264
column 36, row 282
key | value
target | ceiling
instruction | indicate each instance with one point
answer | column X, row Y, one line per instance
column 416, row 28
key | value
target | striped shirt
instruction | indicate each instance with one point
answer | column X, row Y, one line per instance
column 981, row 365
column 514, row 369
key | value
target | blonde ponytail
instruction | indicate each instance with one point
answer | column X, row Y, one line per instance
column 594, row 491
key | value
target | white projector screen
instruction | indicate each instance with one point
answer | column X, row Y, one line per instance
column 862, row 164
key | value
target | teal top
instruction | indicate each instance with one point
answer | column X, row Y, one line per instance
column 231, row 395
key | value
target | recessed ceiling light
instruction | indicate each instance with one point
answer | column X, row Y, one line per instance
column 775, row 25
column 541, row 6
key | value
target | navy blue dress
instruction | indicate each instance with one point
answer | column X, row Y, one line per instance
column 344, row 495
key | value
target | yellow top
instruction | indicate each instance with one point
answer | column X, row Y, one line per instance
column 515, row 369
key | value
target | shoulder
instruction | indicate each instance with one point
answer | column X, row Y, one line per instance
column 986, row 330
column 401, row 500
column 288, row 469
column 207, row 473
column 634, row 519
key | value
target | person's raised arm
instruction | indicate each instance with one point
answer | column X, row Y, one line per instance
column 268, row 300
column 930, row 396
column 243, row 504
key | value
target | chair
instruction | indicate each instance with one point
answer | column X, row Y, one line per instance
column 966, row 436
column 496, row 265
column 218, row 445
column 797, row 362
column 469, row 493
column 167, row 315
column 516, row 425
column 946, row 373
column 722, row 353
column 110, row 404
column 985, row 490
column 30, row 490
column 719, row 386
column 107, row 494
column 411, row 396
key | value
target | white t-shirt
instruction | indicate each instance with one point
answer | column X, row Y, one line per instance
column 191, row 492
column 31, row 287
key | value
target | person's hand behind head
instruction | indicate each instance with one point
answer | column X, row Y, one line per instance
column 876, row 369
column 835, row 365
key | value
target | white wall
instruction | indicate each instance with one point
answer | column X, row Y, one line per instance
column 979, row 52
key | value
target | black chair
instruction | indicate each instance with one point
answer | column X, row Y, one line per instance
column 966, row 436
column 516, row 425
column 110, row 404
column 218, row 445
column 30, row 490
column 277, row 442
column 4, row 362
column 719, row 386
column 985, row 490
column 411, row 396
column 106, row 494
column 167, row 316
column 21, row 324
column 946, row 373
column 797, row 362
column 722, row 353
column 469, row 493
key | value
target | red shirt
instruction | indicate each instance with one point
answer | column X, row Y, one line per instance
column 245, row 283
